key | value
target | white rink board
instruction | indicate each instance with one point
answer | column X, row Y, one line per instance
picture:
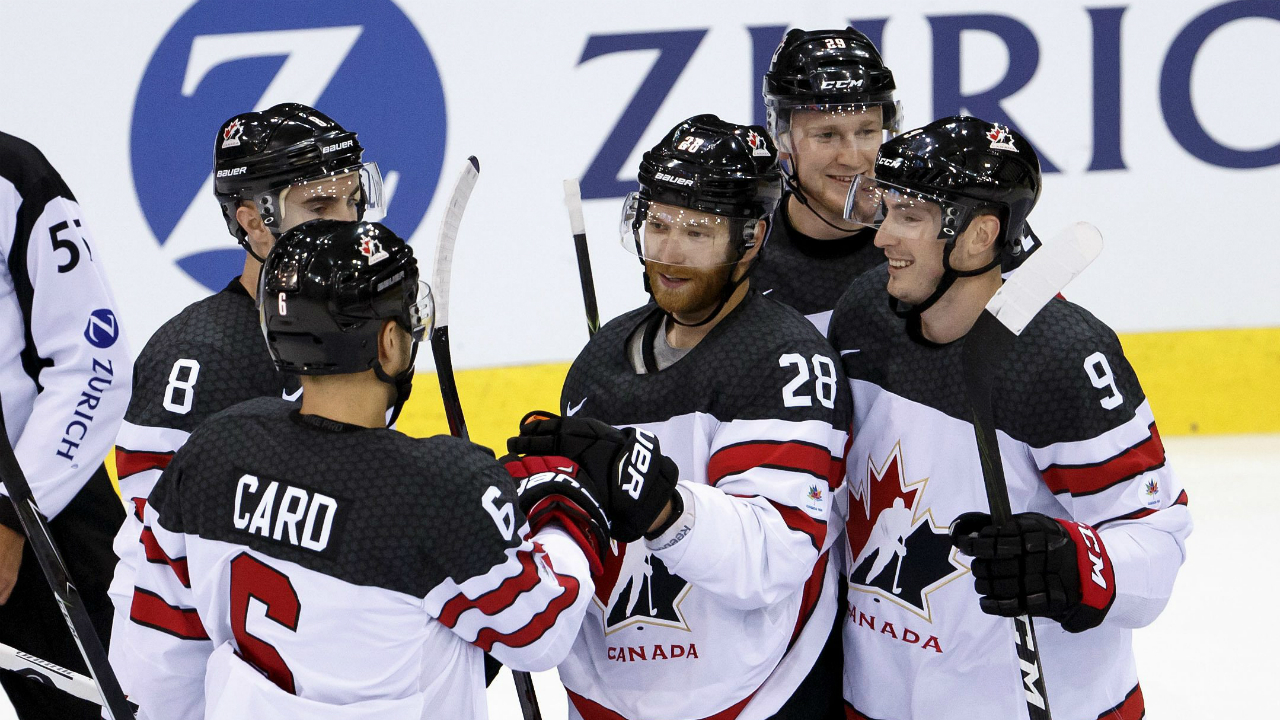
column 1190, row 243
column 1207, row 655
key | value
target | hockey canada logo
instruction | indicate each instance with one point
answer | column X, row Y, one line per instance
column 372, row 249
column 757, row 143
column 218, row 60
column 1000, row 138
column 902, row 553
column 638, row 589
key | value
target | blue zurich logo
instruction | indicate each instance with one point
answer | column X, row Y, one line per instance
column 102, row 329
column 363, row 64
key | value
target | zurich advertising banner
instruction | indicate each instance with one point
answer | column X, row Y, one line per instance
column 1155, row 120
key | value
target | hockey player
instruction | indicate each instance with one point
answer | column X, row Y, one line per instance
column 310, row 563
column 830, row 104
column 718, row 424
column 272, row 170
column 64, row 385
column 1100, row 520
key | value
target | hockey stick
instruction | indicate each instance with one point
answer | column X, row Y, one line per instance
column 1014, row 305
column 64, row 590
column 573, row 201
column 445, row 243
column 47, row 673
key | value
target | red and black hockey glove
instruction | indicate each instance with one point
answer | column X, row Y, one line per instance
column 639, row 480
column 1037, row 565
column 553, row 489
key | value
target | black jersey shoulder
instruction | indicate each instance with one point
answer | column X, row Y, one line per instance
column 1044, row 393
column 807, row 274
column 739, row 371
column 31, row 173
column 218, row 339
column 407, row 512
column 1066, row 379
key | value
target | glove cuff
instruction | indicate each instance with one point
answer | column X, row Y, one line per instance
column 574, row 521
column 1097, row 579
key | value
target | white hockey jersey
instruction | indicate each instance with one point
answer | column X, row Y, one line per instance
column 298, row 567
column 725, row 614
column 1078, row 441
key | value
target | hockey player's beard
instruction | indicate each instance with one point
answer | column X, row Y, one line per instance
column 696, row 296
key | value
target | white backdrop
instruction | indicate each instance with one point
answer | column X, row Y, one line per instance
column 1191, row 235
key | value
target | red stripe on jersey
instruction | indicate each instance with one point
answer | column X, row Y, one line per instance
column 495, row 600
column 157, row 555
column 591, row 710
column 538, row 625
column 851, row 713
column 1093, row 478
column 1144, row 512
column 139, row 506
column 800, row 520
column 131, row 462
column 793, row 455
column 152, row 611
column 1131, row 708
column 809, row 600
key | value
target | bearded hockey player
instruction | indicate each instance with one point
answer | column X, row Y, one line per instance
column 718, row 424
column 830, row 104
column 1100, row 520
column 272, row 170
column 311, row 563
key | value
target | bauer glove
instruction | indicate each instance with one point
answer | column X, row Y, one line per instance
column 1036, row 565
column 554, row 489
column 638, row 479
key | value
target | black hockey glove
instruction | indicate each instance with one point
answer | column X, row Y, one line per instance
column 1036, row 565
column 639, row 480
column 554, row 489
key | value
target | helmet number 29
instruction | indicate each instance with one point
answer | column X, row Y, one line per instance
column 1099, row 371
column 824, row 371
column 833, row 43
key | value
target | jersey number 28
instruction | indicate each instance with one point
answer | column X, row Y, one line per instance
column 824, row 371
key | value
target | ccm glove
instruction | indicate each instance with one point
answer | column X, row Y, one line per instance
column 555, row 489
column 1038, row 565
column 638, row 479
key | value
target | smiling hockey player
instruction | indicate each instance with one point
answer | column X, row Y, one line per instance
column 1100, row 520
column 718, row 425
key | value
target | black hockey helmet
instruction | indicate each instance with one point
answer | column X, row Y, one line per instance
column 257, row 155
column 963, row 167
column 826, row 70
column 324, row 290
column 710, row 166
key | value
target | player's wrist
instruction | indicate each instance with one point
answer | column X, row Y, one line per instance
column 668, row 517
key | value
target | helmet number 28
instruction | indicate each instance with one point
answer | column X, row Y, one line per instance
column 824, row 371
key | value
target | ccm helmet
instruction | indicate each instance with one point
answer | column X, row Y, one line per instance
column 260, row 155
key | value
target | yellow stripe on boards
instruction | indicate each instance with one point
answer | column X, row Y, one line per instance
column 1211, row 382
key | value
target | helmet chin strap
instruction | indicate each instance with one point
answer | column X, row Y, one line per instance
column 793, row 182
column 402, row 382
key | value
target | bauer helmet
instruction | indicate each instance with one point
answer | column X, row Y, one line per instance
column 709, row 166
column 258, row 156
column 962, row 167
column 325, row 289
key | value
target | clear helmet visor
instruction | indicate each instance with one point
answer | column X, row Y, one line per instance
column 673, row 235
column 354, row 193
column 422, row 310
column 813, row 129
column 901, row 212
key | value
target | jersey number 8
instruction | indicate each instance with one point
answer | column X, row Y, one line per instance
column 182, row 383
column 824, row 371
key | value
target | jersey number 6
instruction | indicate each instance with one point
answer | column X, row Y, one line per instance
column 253, row 579
column 824, row 371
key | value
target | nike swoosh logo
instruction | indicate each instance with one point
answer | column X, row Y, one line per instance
column 849, row 352
column 573, row 409
column 565, row 469
column 766, row 292
column 291, row 397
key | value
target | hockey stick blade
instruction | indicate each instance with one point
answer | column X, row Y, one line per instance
column 448, row 238
column 1044, row 274
column 573, row 202
column 47, row 673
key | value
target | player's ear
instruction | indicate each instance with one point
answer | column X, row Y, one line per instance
column 756, row 237
column 394, row 345
column 259, row 236
column 983, row 232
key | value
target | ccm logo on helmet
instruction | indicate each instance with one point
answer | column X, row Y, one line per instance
column 673, row 179
column 232, row 172
column 896, row 162
column 840, row 84
column 641, row 456
column 337, row 146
